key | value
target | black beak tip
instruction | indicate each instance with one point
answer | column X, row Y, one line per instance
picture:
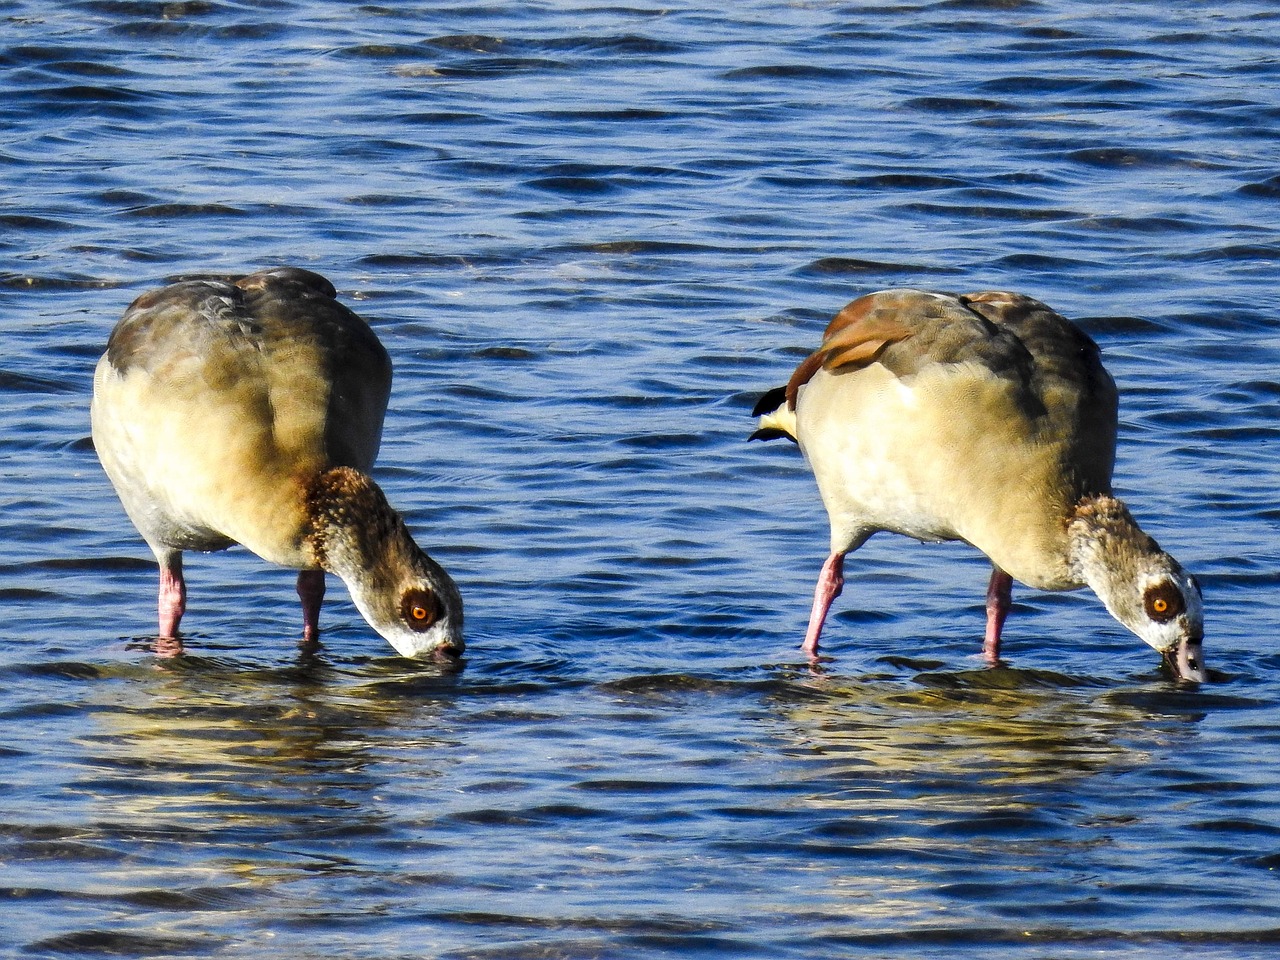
column 448, row 654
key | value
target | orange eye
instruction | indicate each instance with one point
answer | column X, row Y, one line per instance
column 420, row 608
column 1163, row 602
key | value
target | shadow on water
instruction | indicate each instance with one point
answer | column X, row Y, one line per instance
column 526, row 802
column 205, row 784
column 1001, row 725
column 1018, row 803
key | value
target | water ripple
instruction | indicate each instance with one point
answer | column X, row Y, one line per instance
column 590, row 236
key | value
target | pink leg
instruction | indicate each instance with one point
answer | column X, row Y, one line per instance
column 311, row 593
column 830, row 583
column 999, row 597
column 173, row 595
column 172, row 604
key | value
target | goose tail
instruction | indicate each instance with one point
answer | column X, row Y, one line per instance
column 777, row 416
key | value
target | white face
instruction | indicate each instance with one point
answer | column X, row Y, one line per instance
column 1171, row 610
column 1169, row 615
column 422, row 617
column 1140, row 585
column 442, row 636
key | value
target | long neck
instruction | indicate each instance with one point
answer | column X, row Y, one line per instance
column 1102, row 526
column 1108, row 548
column 352, row 530
column 403, row 594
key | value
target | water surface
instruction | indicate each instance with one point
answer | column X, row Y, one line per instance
column 590, row 234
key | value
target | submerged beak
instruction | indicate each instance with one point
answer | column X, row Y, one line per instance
column 448, row 653
column 1186, row 660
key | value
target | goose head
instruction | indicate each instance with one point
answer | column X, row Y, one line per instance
column 1143, row 587
column 412, row 602
column 403, row 594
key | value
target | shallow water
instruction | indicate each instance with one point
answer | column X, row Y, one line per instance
column 590, row 234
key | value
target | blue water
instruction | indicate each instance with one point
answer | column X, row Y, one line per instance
column 589, row 234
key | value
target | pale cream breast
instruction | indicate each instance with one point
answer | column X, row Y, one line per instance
column 945, row 453
column 195, row 466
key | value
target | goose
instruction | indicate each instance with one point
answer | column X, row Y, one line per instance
column 986, row 418
column 249, row 411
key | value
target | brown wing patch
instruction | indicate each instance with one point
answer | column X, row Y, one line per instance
column 808, row 367
column 879, row 315
column 853, row 314
column 857, row 335
column 861, row 352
